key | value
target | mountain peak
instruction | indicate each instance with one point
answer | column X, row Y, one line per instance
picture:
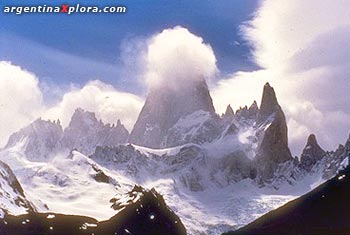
column 311, row 153
column 229, row 111
column 164, row 107
column 269, row 103
column 44, row 135
column 80, row 115
column 311, row 140
column 273, row 148
column 85, row 132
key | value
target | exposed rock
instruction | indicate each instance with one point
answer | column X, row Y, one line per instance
column 253, row 110
column 311, row 153
column 40, row 139
column 140, row 212
column 246, row 113
column 164, row 108
column 12, row 198
column 198, row 128
column 229, row 113
column 269, row 104
column 273, row 148
column 85, row 133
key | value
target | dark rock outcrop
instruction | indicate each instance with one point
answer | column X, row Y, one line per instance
column 269, row 104
column 323, row 211
column 164, row 107
column 145, row 213
column 273, row 148
column 311, row 153
column 229, row 113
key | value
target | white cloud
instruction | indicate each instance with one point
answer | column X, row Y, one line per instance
column 108, row 103
column 20, row 99
column 303, row 49
column 176, row 57
column 21, row 102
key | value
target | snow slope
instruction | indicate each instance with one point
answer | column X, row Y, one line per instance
column 12, row 198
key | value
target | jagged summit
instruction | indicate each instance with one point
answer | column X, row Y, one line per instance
column 273, row 148
column 80, row 115
column 229, row 111
column 269, row 103
column 42, row 138
column 164, row 107
column 311, row 153
column 254, row 107
column 311, row 140
column 85, row 132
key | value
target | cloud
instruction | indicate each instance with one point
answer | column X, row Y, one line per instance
column 176, row 57
column 21, row 100
column 302, row 49
column 108, row 104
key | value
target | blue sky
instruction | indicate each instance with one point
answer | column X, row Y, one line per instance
column 62, row 49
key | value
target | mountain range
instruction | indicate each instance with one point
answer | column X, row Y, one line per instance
column 216, row 172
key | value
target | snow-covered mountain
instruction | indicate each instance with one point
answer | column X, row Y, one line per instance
column 40, row 139
column 85, row 132
column 12, row 198
column 43, row 139
column 220, row 173
column 163, row 109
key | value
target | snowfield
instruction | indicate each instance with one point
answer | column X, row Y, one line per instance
column 68, row 183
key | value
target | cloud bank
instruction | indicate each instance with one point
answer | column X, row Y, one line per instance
column 108, row 103
column 176, row 57
column 301, row 46
column 21, row 102
column 303, row 50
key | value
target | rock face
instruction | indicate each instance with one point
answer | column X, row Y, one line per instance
column 85, row 132
column 246, row 113
column 199, row 127
column 142, row 212
column 311, row 153
column 269, row 104
column 41, row 138
column 12, row 198
column 229, row 114
column 273, row 148
column 163, row 109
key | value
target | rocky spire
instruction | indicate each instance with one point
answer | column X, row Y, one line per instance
column 253, row 110
column 273, row 148
column 269, row 103
column 229, row 111
column 85, row 132
column 164, row 107
column 311, row 153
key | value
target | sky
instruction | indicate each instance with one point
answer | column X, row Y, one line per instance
column 50, row 64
